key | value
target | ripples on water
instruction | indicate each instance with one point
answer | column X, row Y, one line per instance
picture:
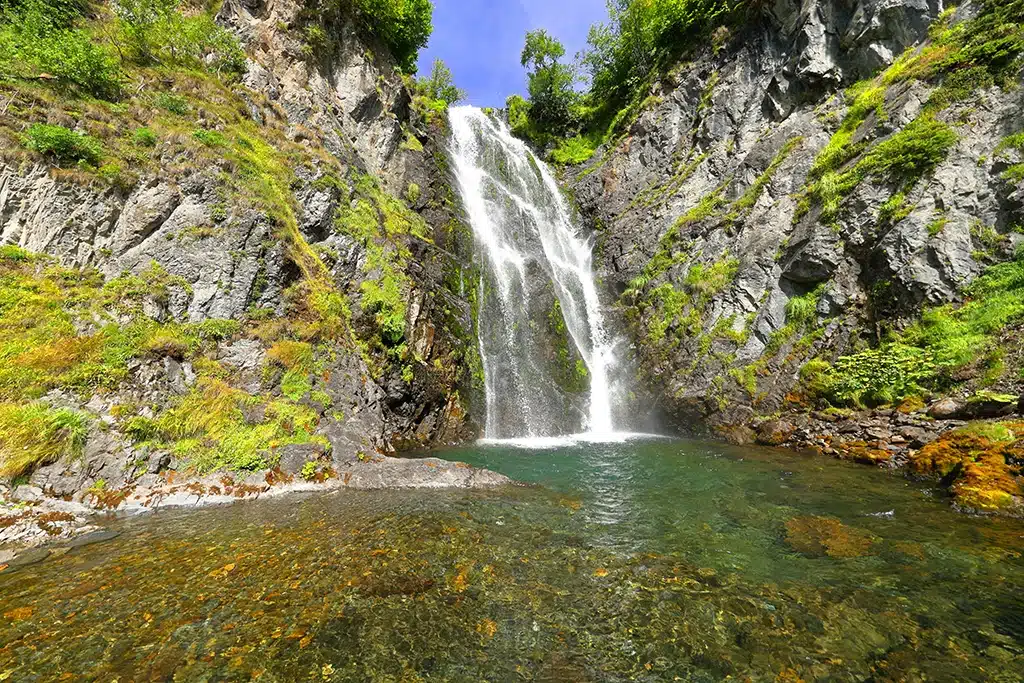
column 641, row 561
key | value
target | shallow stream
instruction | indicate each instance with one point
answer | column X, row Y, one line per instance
column 649, row 561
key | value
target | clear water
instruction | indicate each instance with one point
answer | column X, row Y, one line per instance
column 645, row 561
column 533, row 251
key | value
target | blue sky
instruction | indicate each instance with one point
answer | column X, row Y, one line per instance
column 481, row 40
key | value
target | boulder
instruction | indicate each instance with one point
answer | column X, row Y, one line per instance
column 775, row 432
column 945, row 409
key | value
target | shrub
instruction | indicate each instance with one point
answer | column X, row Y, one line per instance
column 210, row 138
column 39, row 36
column 154, row 31
column 144, row 137
column 878, row 376
column 292, row 355
column 10, row 252
column 176, row 104
column 217, row 329
column 209, row 428
column 574, row 150
column 63, row 145
column 34, row 434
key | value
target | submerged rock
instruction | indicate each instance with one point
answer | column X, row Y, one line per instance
column 827, row 536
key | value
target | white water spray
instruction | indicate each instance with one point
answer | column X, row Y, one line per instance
column 529, row 236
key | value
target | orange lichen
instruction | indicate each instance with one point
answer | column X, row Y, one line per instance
column 974, row 462
column 487, row 628
column 827, row 536
column 50, row 521
column 863, row 452
column 19, row 613
column 109, row 499
column 986, row 484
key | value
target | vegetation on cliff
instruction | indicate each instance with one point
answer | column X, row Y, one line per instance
column 65, row 68
column 640, row 42
column 69, row 329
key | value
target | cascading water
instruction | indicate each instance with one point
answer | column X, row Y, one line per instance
column 529, row 238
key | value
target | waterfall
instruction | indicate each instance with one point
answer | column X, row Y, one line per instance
column 537, row 268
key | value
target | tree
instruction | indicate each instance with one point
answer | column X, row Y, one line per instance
column 440, row 86
column 403, row 25
column 550, row 83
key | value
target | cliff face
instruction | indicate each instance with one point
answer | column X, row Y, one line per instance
column 735, row 259
column 309, row 203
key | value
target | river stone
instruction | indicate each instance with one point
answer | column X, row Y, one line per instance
column 29, row 557
column 428, row 473
column 295, row 456
column 775, row 432
column 945, row 409
column 988, row 406
column 93, row 537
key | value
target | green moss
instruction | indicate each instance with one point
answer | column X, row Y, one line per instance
column 801, row 315
column 903, row 159
column 570, row 372
column 938, row 224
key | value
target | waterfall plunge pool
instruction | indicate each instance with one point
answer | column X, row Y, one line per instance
column 643, row 560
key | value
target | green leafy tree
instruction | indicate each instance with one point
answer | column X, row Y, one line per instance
column 440, row 86
column 552, row 96
column 403, row 25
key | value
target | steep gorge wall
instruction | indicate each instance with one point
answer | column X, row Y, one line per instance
column 327, row 133
column 707, row 237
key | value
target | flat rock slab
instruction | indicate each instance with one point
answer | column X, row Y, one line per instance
column 93, row 537
column 29, row 557
column 427, row 473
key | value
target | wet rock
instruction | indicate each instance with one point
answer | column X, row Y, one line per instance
column 739, row 435
column 980, row 463
column 157, row 462
column 431, row 473
column 986, row 406
column 775, row 433
column 93, row 537
column 819, row 536
column 945, row 409
column 294, row 457
column 918, row 437
column 29, row 557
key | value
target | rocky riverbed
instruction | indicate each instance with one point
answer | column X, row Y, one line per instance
column 30, row 519
column 975, row 449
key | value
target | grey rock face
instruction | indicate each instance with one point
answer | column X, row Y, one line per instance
column 715, row 127
column 228, row 255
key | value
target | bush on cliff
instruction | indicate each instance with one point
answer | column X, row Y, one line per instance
column 62, row 145
column 46, row 37
column 157, row 32
column 931, row 354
